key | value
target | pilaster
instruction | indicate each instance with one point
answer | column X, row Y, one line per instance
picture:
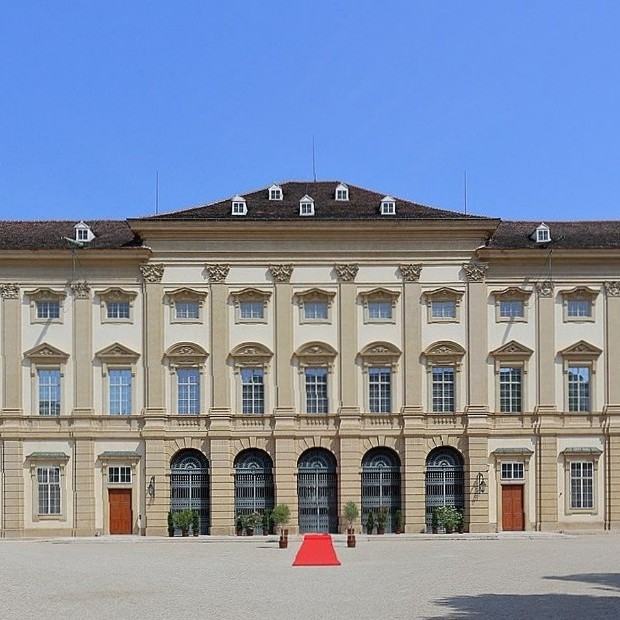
column 545, row 347
column 13, row 489
column 84, row 487
column 347, row 329
column 476, row 499
column 349, row 477
column 222, row 488
column 412, row 335
column 11, row 350
column 156, row 467
column 285, row 478
column 82, row 349
column 414, row 485
column 547, row 487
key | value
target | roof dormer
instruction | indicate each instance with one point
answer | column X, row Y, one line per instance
column 306, row 206
column 542, row 234
column 342, row 192
column 275, row 192
column 83, row 232
column 388, row 206
column 239, row 206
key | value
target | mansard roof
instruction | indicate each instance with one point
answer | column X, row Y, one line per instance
column 363, row 204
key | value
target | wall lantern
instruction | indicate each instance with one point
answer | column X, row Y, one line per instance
column 481, row 483
column 151, row 488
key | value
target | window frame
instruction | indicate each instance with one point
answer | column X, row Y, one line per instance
column 379, row 296
column 117, row 357
column 377, row 355
column 317, row 402
column 238, row 206
column 196, row 407
column 341, row 188
column 45, row 357
column 512, row 355
column 57, row 386
column 122, row 469
column 306, row 206
column 251, row 295
column 122, row 388
column 581, row 455
column 511, row 294
column 255, row 356
column 314, row 295
column 186, row 295
column 48, row 460
column 116, row 294
column 444, row 354
column 186, row 356
column 315, row 355
column 443, row 294
column 580, row 354
column 579, row 294
column 46, row 295
column 275, row 192
column 379, row 384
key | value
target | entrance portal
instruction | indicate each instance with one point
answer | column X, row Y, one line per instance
column 317, row 491
column 444, row 481
column 189, row 485
column 121, row 518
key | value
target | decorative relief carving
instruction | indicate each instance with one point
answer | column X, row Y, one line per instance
column 81, row 290
column 475, row 272
column 346, row 272
column 152, row 273
column 612, row 289
column 281, row 273
column 217, row 272
column 545, row 289
column 411, row 272
column 9, row 291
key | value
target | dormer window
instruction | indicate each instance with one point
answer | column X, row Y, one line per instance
column 275, row 192
column 83, row 233
column 388, row 206
column 342, row 192
column 239, row 206
column 543, row 235
column 306, row 206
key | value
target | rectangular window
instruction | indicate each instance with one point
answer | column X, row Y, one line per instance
column 443, row 389
column 187, row 309
column 118, row 309
column 315, row 310
column 119, row 381
column 119, row 474
column 316, row 390
column 380, row 390
column 251, row 310
column 578, row 308
column 48, row 481
column 253, row 390
column 49, row 391
column 512, row 471
column 514, row 309
column 379, row 310
column 510, row 389
column 48, row 309
column 578, row 388
column 188, row 390
column 443, row 309
column 581, row 485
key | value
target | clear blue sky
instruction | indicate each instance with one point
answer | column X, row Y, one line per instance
column 224, row 97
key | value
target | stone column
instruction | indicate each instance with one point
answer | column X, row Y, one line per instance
column 347, row 329
column 82, row 350
column 13, row 489
column 11, row 350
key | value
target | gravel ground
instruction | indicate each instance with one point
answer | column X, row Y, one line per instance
column 384, row 577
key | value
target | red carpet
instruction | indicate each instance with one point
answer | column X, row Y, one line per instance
column 316, row 550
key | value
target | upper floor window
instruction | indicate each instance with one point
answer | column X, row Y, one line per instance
column 511, row 361
column 186, row 305
column 83, row 233
column 239, row 206
column 578, row 308
column 306, row 206
column 251, row 362
column 316, row 390
column 187, row 309
column 378, row 310
column 118, row 309
column 116, row 305
column 342, row 192
column 253, row 390
column 251, row 305
column 118, row 366
column 388, row 206
column 511, row 309
column 186, row 362
column 542, row 233
column 443, row 309
column 119, row 474
column 251, row 310
column 49, row 391
column 46, row 305
column 188, row 391
column 443, row 305
column 443, row 361
column 579, row 362
column 510, row 389
column 379, row 305
column 578, row 388
column 315, row 305
column 120, row 393
column 380, row 390
column 444, row 389
column 578, row 304
column 275, row 192
column 315, row 361
column 48, row 309
column 315, row 310
column 511, row 304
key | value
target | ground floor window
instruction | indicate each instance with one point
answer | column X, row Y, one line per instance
column 581, row 485
column 119, row 474
column 48, row 480
column 512, row 471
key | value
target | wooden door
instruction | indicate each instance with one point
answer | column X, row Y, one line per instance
column 512, row 508
column 120, row 511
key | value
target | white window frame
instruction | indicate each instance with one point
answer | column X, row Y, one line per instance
column 252, row 392
column 250, row 295
column 580, row 354
column 41, row 369
column 315, row 355
column 316, row 393
column 342, row 193
column 117, row 357
column 306, row 206
column 186, row 295
column 543, row 234
column 512, row 471
column 388, row 206
column 111, row 371
column 376, row 403
column 46, row 296
column 442, row 295
column 251, row 355
column 575, row 404
column 42, row 358
column 579, row 294
column 275, row 192
column 511, row 355
column 314, row 295
column 380, row 355
column 238, row 206
column 116, row 294
column 120, row 474
column 444, row 354
column 381, row 296
column 581, row 455
column 46, row 461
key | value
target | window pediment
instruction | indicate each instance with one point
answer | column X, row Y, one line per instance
column 581, row 351
column 512, row 293
column 251, row 354
column 579, row 293
column 316, row 354
column 46, row 353
column 186, row 354
column 512, row 351
column 187, row 294
column 251, row 294
column 116, row 294
column 380, row 354
column 443, row 294
column 117, row 353
column 46, row 294
column 315, row 294
column 444, row 352
column 379, row 294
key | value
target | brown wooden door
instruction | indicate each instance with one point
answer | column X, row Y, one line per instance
column 512, row 508
column 120, row 511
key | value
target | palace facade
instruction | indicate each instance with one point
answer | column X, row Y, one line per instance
column 310, row 343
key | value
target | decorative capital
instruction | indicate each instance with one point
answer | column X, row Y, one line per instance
column 346, row 272
column 281, row 273
column 9, row 291
column 545, row 289
column 218, row 272
column 152, row 273
column 410, row 272
column 81, row 290
column 612, row 289
column 475, row 272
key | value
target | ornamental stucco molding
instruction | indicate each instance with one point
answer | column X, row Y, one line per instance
column 410, row 272
column 81, row 290
column 612, row 288
column 152, row 273
column 475, row 272
column 9, row 291
column 346, row 272
column 217, row 272
column 281, row 273
column 545, row 289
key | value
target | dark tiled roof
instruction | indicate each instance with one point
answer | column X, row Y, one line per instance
column 48, row 235
column 586, row 235
column 363, row 204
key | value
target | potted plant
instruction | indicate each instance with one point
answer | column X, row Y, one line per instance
column 183, row 520
column 398, row 522
column 195, row 523
column 350, row 516
column 434, row 521
column 461, row 521
column 448, row 517
column 170, row 525
column 382, row 515
column 239, row 525
column 370, row 522
column 266, row 521
column 280, row 516
column 251, row 521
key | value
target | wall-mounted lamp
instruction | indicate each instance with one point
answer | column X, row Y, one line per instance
column 481, row 483
column 151, row 488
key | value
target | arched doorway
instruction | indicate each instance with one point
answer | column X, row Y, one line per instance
column 444, row 481
column 189, row 485
column 317, row 491
column 381, row 484
column 253, row 483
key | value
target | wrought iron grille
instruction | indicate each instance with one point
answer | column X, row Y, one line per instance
column 381, row 484
column 189, row 486
column 444, row 481
column 253, row 484
column 317, row 492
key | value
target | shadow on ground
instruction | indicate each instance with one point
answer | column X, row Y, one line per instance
column 604, row 581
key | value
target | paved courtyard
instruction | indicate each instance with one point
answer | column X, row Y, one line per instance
column 550, row 576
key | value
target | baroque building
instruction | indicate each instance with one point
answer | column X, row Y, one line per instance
column 310, row 344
